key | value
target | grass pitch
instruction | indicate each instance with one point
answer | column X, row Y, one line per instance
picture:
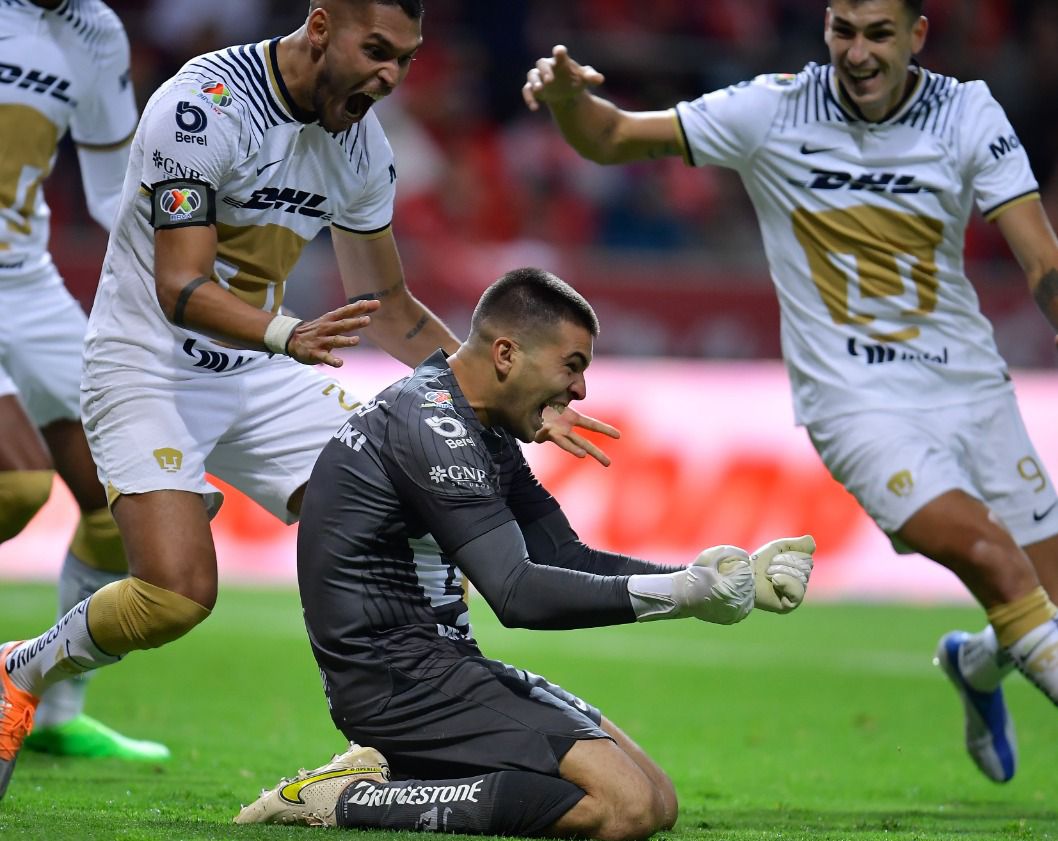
column 826, row 724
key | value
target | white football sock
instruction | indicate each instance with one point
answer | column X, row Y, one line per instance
column 1036, row 656
column 982, row 662
column 65, row 700
column 62, row 651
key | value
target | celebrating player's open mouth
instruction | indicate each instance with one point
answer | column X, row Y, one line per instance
column 357, row 105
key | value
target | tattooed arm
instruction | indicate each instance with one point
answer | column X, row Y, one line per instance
column 370, row 269
column 1031, row 237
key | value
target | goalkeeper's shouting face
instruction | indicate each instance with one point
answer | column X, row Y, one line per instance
column 544, row 368
column 530, row 342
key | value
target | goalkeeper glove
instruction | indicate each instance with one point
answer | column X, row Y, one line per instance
column 716, row 587
column 781, row 570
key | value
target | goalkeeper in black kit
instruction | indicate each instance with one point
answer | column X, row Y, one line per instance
column 475, row 745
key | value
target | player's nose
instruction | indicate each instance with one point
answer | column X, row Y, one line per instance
column 858, row 51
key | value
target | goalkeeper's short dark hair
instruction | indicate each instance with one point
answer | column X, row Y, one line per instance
column 529, row 298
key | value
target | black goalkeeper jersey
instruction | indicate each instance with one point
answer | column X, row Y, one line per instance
column 414, row 462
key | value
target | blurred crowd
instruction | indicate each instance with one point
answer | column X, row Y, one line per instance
column 672, row 257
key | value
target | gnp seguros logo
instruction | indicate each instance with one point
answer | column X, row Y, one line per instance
column 180, row 203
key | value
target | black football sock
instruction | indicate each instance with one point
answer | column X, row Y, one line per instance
column 498, row 803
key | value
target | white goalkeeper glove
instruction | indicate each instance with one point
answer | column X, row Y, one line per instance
column 716, row 587
column 781, row 570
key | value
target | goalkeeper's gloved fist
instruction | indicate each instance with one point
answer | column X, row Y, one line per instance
column 716, row 587
column 781, row 570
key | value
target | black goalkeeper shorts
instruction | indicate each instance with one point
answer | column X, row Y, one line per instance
column 475, row 716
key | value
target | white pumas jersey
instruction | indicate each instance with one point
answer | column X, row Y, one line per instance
column 223, row 143
column 863, row 226
column 59, row 70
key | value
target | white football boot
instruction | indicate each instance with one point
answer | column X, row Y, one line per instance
column 310, row 798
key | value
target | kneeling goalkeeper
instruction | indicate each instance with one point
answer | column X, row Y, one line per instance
column 477, row 746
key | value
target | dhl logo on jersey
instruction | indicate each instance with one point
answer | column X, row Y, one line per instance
column 871, row 182
column 35, row 81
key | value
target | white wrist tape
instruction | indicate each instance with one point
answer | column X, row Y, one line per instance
column 278, row 333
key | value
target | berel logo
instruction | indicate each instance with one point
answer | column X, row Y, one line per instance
column 190, row 117
column 447, row 427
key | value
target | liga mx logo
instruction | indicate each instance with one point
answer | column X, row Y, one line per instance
column 217, row 93
column 180, row 204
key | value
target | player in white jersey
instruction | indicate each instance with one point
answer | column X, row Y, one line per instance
column 190, row 366
column 863, row 174
column 64, row 66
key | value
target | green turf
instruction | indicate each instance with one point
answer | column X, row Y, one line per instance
column 826, row 724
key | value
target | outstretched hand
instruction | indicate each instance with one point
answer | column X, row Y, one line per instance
column 558, row 429
column 557, row 79
column 314, row 341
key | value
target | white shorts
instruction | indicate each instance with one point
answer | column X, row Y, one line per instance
column 41, row 340
column 896, row 462
column 259, row 428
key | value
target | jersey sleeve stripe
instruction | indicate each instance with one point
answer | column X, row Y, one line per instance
column 373, row 234
column 999, row 209
column 106, row 147
column 681, row 138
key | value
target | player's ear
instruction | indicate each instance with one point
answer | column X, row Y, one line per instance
column 919, row 30
column 504, row 350
column 318, row 29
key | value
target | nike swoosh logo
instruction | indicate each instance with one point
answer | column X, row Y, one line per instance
column 292, row 791
column 261, row 169
column 808, row 150
column 6, row 37
column 1037, row 517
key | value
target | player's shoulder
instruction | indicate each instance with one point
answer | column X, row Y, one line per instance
column 430, row 391
column 430, row 403
column 782, row 85
column 93, row 24
column 944, row 105
column 219, row 77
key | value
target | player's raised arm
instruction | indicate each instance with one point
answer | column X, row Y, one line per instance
column 1031, row 237
column 595, row 127
column 370, row 269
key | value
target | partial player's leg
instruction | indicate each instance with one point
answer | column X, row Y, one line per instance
column 25, row 467
column 1044, row 557
column 172, row 587
column 959, row 486
column 43, row 359
column 481, row 747
column 25, row 483
column 959, row 532
column 664, row 790
column 1009, row 476
column 95, row 558
column 152, row 455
